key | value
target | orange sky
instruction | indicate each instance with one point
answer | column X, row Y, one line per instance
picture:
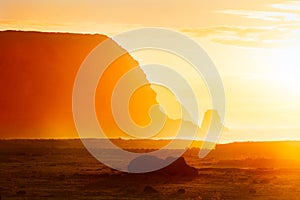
column 254, row 44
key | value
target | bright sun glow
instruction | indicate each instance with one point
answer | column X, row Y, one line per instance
column 286, row 72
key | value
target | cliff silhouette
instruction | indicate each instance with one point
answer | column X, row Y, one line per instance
column 36, row 82
column 38, row 71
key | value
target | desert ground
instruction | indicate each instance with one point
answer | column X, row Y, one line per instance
column 63, row 169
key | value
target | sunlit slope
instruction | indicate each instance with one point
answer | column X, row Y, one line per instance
column 139, row 103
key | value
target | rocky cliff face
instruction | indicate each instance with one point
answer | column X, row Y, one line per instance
column 37, row 72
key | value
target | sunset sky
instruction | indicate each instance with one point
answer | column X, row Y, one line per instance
column 254, row 44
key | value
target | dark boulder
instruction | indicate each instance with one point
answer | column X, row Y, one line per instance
column 145, row 164
column 149, row 190
column 181, row 191
column 178, row 167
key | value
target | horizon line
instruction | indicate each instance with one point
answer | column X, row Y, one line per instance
column 152, row 139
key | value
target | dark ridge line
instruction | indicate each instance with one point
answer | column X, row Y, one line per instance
column 49, row 32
